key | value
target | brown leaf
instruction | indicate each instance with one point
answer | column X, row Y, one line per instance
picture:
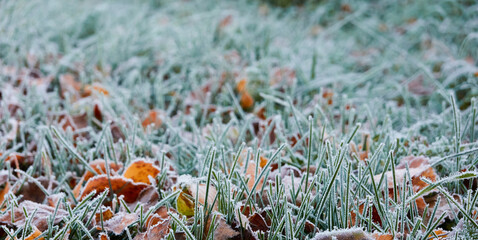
column 54, row 199
column 119, row 185
column 148, row 198
column 118, row 223
column 222, row 231
column 99, row 165
column 419, row 167
column 32, row 192
column 258, row 223
column 39, row 220
column 98, row 113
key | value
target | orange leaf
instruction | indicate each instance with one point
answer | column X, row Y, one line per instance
column 119, row 186
column 89, row 89
column 33, row 236
column 251, row 174
column 441, row 234
column 378, row 236
column 246, row 100
column 152, row 118
column 100, row 168
column 241, row 85
column 140, row 171
column 107, row 214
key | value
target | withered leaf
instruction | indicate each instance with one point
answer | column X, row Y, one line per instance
column 140, row 171
column 118, row 223
column 119, row 185
column 39, row 219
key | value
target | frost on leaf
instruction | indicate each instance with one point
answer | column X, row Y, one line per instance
column 119, row 185
column 185, row 201
column 39, row 219
column 140, row 171
column 119, row 222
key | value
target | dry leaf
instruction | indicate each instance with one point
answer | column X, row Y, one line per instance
column 106, row 212
column 440, row 233
column 141, row 171
column 251, row 175
column 99, row 165
column 246, row 100
column 419, row 167
column 119, row 185
column 118, row 223
column 103, row 236
column 90, row 89
column 222, row 230
column 185, row 201
column 241, row 85
column 379, row 236
column 33, row 236
column 39, row 219
column 32, row 192
column 4, row 185
column 153, row 118
column 54, row 199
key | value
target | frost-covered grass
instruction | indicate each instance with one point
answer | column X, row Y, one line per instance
column 398, row 78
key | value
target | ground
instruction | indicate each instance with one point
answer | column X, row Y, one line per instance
column 249, row 119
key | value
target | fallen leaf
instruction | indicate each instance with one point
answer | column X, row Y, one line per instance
column 54, row 199
column 118, row 223
column 152, row 118
column 246, row 100
column 39, row 220
column 33, row 236
column 148, row 198
column 103, row 236
column 106, row 212
column 258, row 223
column 32, row 192
column 440, row 233
column 284, row 77
column 222, row 230
column 99, row 165
column 419, row 168
column 90, row 89
column 119, row 185
column 380, row 236
column 4, row 185
column 185, row 201
column 241, row 85
column 251, row 175
column 141, row 171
